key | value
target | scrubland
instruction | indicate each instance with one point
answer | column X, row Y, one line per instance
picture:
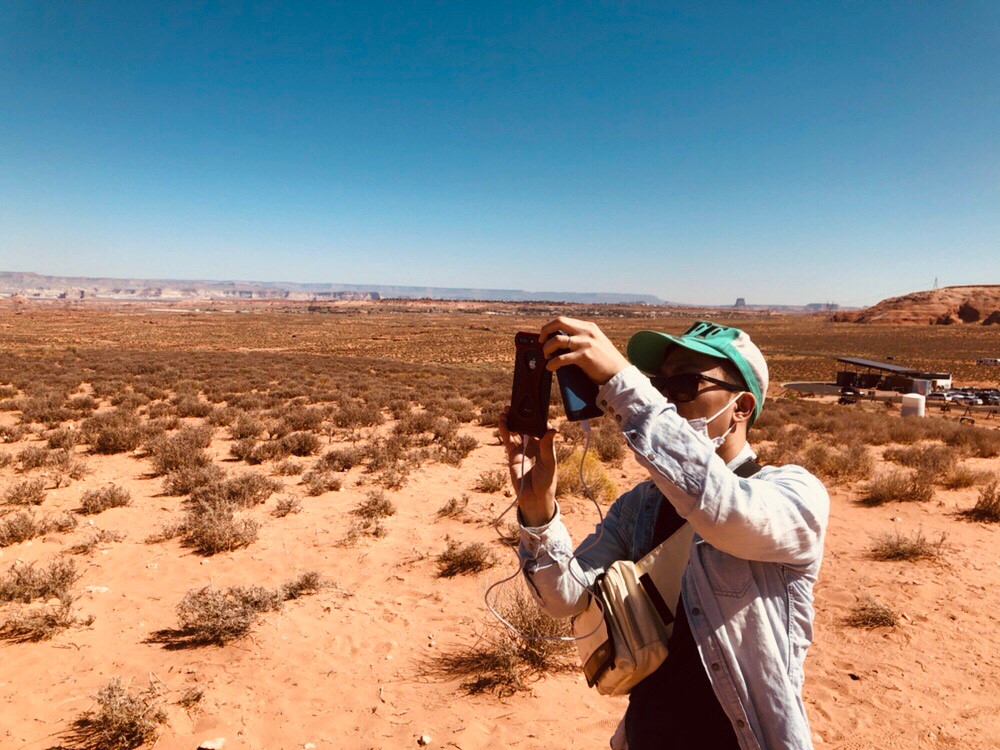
column 275, row 527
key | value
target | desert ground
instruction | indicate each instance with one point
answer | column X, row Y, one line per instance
column 344, row 458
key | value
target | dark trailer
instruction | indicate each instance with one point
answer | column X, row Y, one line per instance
column 886, row 376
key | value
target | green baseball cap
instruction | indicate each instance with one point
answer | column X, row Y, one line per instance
column 648, row 349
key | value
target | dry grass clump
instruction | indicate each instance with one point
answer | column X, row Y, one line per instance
column 287, row 505
column 500, row 662
column 318, row 482
column 99, row 500
column 375, row 507
column 122, row 721
column 936, row 460
column 454, row 508
column 868, row 613
column 210, row 617
column 838, row 464
column 40, row 621
column 301, row 443
column 24, row 582
column 899, row 546
column 241, row 491
column 462, row 559
column 246, row 426
column 354, row 414
column 22, row 526
column 185, row 449
column 492, row 480
column 95, row 539
column 596, row 477
column 187, row 479
column 117, row 431
column 287, row 468
column 455, row 449
column 962, row 476
column 32, row 457
column 213, row 528
column 340, row 459
column 987, row 507
column 63, row 438
column 25, row 492
column 13, row 433
column 898, row 487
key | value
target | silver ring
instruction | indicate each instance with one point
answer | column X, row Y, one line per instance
column 569, row 339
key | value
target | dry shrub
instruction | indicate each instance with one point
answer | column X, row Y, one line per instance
column 287, row 468
column 46, row 409
column 454, row 508
column 971, row 440
column 211, row 529
column 41, row 621
column 271, row 450
column 99, row 500
column 286, row 505
column 301, row 443
column 838, row 464
column 937, row 460
column 303, row 419
column 354, row 414
column 987, row 507
column 898, row 487
column 94, row 539
column 340, row 459
column 63, row 438
column 243, row 449
column 375, row 507
column 387, row 452
column 595, row 477
column 241, row 491
column 192, row 407
column 187, row 479
column 117, row 431
column 122, row 721
column 183, row 450
column 82, row 403
column 492, row 480
column 899, row 546
column 222, row 416
column 318, row 482
column 32, row 457
column 22, row 526
column 868, row 613
column 64, row 466
column 500, row 662
column 962, row 476
column 456, row 449
column 461, row 559
column 13, row 433
column 246, row 426
column 25, row 492
column 207, row 616
column 24, row 582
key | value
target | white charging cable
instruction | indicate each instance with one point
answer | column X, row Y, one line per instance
column 522, row 563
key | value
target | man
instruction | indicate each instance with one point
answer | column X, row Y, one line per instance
column 733, row 676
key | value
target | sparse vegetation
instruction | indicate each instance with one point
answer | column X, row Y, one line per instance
column 24, row 582
column 869, row 613
column 287, row 505
column 25, row 492
column 987, row 507
column 460, row 559
column 99, row 500
column 596, row 477
column 898, row 487
column 122, row 721
column 455, row 507
column 899, row 546
column 492, row 480
column 23, row 525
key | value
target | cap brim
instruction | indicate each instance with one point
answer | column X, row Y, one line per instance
column 647, row 349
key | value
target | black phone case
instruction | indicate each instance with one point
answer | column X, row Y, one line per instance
column 578, row 391
column 532, row 388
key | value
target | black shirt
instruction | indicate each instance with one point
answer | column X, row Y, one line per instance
column 675, row 707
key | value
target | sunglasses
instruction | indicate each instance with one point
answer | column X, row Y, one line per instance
column 683, row 387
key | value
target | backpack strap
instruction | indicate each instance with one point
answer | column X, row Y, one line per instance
column 747, row 469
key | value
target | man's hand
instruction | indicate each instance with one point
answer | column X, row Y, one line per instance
column 588, row 347
column 537, row 499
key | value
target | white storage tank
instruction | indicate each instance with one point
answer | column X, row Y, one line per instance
column 913, row 405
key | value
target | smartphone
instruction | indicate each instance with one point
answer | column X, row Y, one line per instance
column 532, row 388
column 578, row 391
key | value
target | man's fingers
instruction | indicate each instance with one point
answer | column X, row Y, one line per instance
column 563, row 341
column 564, row 359
column 569, row 325
column 546, row 448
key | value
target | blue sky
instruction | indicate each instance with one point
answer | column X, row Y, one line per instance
column 783, row 152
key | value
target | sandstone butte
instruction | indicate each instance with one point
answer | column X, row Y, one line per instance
column 950, row 305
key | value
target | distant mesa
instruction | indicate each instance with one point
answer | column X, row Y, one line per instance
column 948, row 306
column 740, row 302
column 41, row 287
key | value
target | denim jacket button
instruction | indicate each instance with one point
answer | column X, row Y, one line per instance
column 715, row 667
column 695, row 611
column 650, row 456
column 740, row 723
column 618, row 417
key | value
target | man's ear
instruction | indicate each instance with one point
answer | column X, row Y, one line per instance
column 744, row 407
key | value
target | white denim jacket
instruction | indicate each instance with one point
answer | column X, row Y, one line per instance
column 748, row 585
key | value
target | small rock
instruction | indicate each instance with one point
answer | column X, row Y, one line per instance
column 96, row 589
column 309, row 746
column 424, row 740
column 217, row 744
column 896, row 518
